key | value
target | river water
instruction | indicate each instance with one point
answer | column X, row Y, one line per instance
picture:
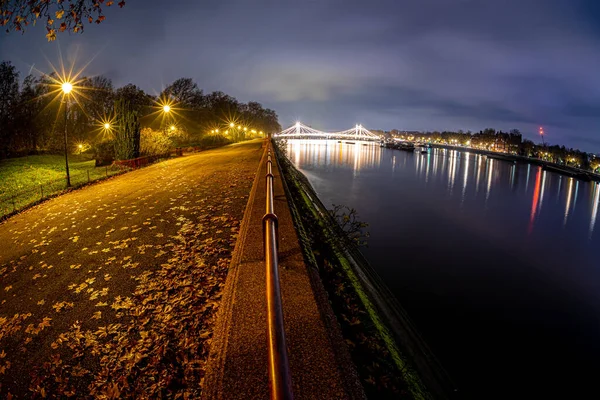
column 497, row 263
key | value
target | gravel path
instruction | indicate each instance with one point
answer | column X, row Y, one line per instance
column 111, row 291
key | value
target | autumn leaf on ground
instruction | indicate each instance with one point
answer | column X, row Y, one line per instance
column 97, row 315
column 63, row 305
column 41, row 302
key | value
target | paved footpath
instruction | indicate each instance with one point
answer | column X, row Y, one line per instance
column 320, row 365
column 111, row 291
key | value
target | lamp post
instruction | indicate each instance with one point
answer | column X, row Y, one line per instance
column 232, row 129
column 167, row 110
column 66, row 88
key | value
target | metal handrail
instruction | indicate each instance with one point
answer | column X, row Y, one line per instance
column 279, row 370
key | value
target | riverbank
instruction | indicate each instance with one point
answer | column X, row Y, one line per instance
column 392, row 359
column 550, row 166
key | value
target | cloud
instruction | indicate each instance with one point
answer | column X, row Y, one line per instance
column 429, row 64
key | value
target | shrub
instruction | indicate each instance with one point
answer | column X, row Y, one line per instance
column 154, row 142
column 104, row 153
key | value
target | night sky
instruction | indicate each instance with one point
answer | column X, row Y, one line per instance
column 414, row 65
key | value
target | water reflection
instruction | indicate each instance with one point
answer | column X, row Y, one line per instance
column 503, row 271
column 489, row 168
column 443, row 166
column 334, row 154
column 595, row 200
column 465, row 177
column 568, row 204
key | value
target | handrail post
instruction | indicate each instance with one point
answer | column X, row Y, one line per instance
column 279, row 371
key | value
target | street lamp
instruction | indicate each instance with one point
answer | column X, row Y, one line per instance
column 542, row 135
column 172, row 128
column 107, row 126
column 166, row 108
column 66, row 87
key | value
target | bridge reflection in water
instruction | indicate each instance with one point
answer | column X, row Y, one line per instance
column 337, row 153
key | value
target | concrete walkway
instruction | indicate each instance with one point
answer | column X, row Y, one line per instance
column 320, row 364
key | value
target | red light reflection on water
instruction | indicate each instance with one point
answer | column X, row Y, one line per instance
column 536, row 197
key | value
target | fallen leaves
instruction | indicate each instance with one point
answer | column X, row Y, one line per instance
column 63, row 305
column 164, row 301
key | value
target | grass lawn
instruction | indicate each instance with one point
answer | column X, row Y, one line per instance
column 27, row 179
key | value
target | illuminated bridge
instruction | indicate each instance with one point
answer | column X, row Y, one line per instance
column 300, row 130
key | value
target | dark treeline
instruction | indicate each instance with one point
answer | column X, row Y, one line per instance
column 32, row 114
column 508, row 142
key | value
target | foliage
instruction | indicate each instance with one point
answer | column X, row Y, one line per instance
column 99, row 98
column 154, row 142
column 138, row 99
column 210, row 141
column 127, row 132
column 282, row 145
column 347, row 219
column 9, row 97
column 32, row 121
column 185, row 93
column 104, row 152
column 60, row 15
